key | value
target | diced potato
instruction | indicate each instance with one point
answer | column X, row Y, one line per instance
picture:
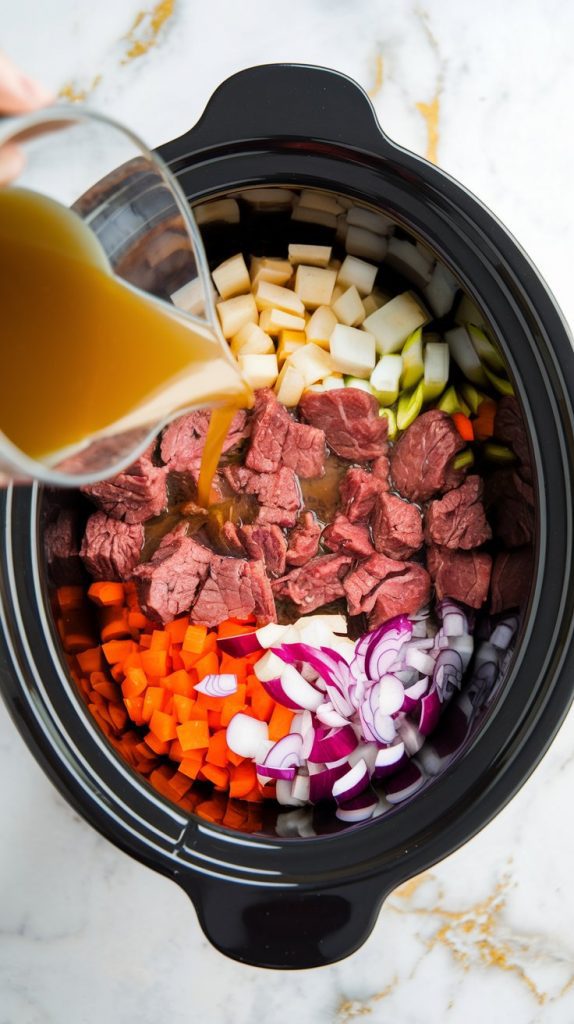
column 353, row 350
column 465, row 355
column 393, row 322
column 259, row 371
column 313, row 362
column 374, row 301
column 349, row 308
column 385, row 378
column 235, row 313
column 262, row 268
column 330, row 383
column 338, row 290
column 320, row 201
column 468, row 313
column 275, row 320
column 309, row 215
column 290, row 386
column 360, row 242
column 334, row 264
column 314, row 285
column 372, row 220
column 289, row 342
column 441, row 290
column 410, row 260
column 273, row 296
column 251, row 339
column 219, row 209
column 321, row 326
column 357, row 272
column 232, row 277
column 310, row 255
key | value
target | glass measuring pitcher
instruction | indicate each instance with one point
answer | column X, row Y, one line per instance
column 107, row 320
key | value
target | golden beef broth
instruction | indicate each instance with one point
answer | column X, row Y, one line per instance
column 321, row 494
column 85, row 355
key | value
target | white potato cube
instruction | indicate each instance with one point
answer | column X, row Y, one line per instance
column 393, row 322
column 220, row 209
column 353, row 351
column 251, row 339
column 235, row 313
column 314, row 286
column 232, row 277
column 374, row 301
column 275, row 320
column 349, row 308
column 262, row 268
column 409, row 260
column 259, row 371
column 331, row 383
column 321, row 326
column 372, row 220
column 360, row 242
column 320, row 201
column 290, row 386
column 338, row 290
column 289, row 342
column 273, row 296
column 309, row 215
column 357, row 272
column 441, row 290
column 310, row 255
column 313, row 362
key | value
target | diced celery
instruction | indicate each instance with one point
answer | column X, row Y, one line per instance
column 472, row 396
column 486, row 351
column 391, row 422
column 436, row 369
column 413, row 365
column 498, row 453
column 452, row 402
column 463, row 459
column 358, row 382
column 501, row 384
column 464, row 354
column 410, row 404
column 385, row 378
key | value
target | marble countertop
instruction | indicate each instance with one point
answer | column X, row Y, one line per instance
column 86, row 934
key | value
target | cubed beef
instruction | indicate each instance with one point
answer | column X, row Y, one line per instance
column 168, row 583
column 111, row 549
column 511, row 507
column 381, row 469
column 229, row 539
column 382, row 587
column 61, row 544
column 270, row 426
column 462, row 575
column 420, row 459
column 182, row 442
column 265, row 542
column 511, row 579
column 509, row 428
column 351, row 421
column 315, row 584
column 458, row 519
column 358, row 491
column 137, row 494
column 234, row 588
column 348, row 538
column 286, row 517
column 304, row 450
column 397, row 526
column 303, row 540
column 279, row 488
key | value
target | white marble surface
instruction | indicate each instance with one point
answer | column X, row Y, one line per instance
column 88, row 935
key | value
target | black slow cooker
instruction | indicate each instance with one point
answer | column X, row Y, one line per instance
column 292, row 896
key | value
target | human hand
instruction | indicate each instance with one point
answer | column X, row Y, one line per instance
column 18, row 95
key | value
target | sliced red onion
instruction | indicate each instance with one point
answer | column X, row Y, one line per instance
column 245, row 735
column 352, row 782
column 390, row 760
column 366, row 752
column 409, row 734
column 265, row 773
column 217, row 686
column 357, row 665
column 332, row 744
column 420, row 660
column 503, row 632
column 430, row 712
column 286, row 753
column 482, row 682
column 274, row 687
column 407, row 676
column 240, row 645
column 454, row 621
column 299, row 690
column 330, row 665
column 463, row 645
column 385, row 643
column 308, row 741
column 447, row 675
column 404, row 783
column 420, row 628
column 310, row 674
column 360, row 808
column 284, row 795
column 391, row 694
column 376, row 726
column 413, row 694
column 321, row 783
column 328, row 716
column 301, row 722
column 268, row 667
column 300, row 786
column 270, row 634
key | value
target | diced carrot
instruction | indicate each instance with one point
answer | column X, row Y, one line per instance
column 211, row 810
column 183, row 707
column 219, row 776
column 134, row 707
column 242, row 779
column 177, row 662
column 153, row 701
column 193, row 734
column 118, row 716
column 210, row 645
column 145, row 641
column 484, row 422
column 160, row 640
column 209, row 703
column 155, row 663
column 70, row 597
column 117, row 672
column 95, row 711
column 107, row 689
column 214, row 719
column 137, row 620
column 118, row 650
column 177, row 629
column 463, row 425
column 104, row 593
column 176, row 751
column 234, row 758
column 262, row 703
column 207, row 666
column 159, row 781
column 180, row 784
column 236, row 666
column 132, row 661
column 190, row 767
column 114, row 623
column 178, row 682
column 163, row 726
column 234, row 817
column 189, row 660
column 249, row 620
column 217, row 750
column 231, row 627
column 280, row 722
column 75, row 630
column 134, row 683
column 254, row 796
column 194, row 639
column 158, row 746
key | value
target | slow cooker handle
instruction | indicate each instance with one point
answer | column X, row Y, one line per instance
column 286, row 101
column 290, row 929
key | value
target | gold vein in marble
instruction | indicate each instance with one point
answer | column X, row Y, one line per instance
column 73, row 92
column 145, row 31
column 378, row 76
column 351, row 1009
column 431, row 113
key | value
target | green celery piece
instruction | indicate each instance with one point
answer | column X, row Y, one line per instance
column 410, row 405
column 463, row 459
column 391, row 422
column 501, row 384
column 472, row 396
column 452, row 402
column 413, row 365
column 485, row 350
column 358, row 382
column 498, row 453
